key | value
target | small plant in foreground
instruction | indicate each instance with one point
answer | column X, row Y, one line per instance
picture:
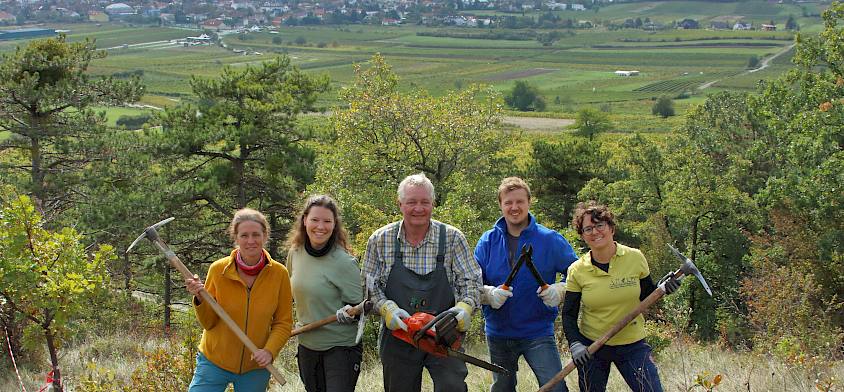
column 706, row 381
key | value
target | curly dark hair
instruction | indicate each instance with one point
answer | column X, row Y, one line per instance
column 598, row 212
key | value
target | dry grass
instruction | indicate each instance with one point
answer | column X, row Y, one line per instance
column 679, row 364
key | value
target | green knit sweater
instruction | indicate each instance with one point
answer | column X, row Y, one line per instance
column 321, row 285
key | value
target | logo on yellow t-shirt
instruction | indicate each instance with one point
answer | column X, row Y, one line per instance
column 627, row 281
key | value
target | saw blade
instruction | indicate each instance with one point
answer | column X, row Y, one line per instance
column 369, row 286
column 476, row 361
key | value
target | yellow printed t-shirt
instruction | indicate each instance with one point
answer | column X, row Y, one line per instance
column 608, row 296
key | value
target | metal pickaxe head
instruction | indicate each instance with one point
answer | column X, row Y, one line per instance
column 689, row 268
column 150, row 232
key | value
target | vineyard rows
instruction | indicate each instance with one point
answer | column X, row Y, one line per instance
column 682, row 84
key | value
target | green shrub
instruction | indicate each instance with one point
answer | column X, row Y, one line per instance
column 128, row 74
column 525, row 97
column 752, row 62
column 133, row 122
column 167, row 369
column 115, row 312
column 734, row 329
column 658, row 336
column 99, row 379
column 663, row 107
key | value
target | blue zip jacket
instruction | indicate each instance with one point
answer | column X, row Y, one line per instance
column 523, row 316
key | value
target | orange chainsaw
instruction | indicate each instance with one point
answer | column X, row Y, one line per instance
column 438, row 335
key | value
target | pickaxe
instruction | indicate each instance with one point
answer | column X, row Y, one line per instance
column 151, row 233
column 686, row 268
column 360, row 309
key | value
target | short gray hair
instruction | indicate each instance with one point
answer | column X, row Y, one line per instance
column 415, row 180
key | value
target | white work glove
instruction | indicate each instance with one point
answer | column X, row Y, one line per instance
column 393, row 315
column 463, row 314
column 494, row 296
column 553, row 295
column 343, row 316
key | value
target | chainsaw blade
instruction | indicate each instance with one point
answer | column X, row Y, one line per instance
column 476, row 361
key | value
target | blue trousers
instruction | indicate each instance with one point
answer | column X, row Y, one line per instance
column 209, row 377
column 540, row 353
column 632, row 360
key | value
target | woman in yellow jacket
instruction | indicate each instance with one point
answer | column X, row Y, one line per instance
column 255, row 291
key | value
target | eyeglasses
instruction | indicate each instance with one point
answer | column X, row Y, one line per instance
column 600, row 226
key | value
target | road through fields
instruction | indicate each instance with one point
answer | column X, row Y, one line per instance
column 762, row 65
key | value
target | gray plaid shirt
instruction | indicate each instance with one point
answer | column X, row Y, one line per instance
column 464, row 274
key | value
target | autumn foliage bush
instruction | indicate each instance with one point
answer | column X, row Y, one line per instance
column 790, row 309
column 168, row 368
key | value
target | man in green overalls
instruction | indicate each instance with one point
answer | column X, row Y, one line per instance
column 420, row 265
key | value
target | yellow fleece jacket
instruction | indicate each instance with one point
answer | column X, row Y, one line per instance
column 265, row 313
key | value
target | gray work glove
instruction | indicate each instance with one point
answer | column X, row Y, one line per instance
column 669, row 283
column 343, row 316
column 579, row 354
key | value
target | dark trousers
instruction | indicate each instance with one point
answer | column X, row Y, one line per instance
column 403, row 365
column 333, row 370
column 632, row 360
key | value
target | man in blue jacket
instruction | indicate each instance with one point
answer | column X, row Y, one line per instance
column 520, row 321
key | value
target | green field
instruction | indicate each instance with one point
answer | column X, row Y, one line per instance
column 114, row 113
column 576, row 71
column 577, row 68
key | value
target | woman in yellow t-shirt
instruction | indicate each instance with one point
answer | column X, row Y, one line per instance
column 602, row 287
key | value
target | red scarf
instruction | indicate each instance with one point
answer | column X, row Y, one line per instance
column 250, row 270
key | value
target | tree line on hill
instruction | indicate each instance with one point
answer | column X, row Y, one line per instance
column 748, row 186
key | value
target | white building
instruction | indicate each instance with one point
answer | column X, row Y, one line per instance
column 627, row 73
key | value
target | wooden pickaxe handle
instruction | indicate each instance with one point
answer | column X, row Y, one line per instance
column 354, row 311
column 176, row 263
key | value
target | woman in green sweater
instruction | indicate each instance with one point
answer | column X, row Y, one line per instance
column 326, row 280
